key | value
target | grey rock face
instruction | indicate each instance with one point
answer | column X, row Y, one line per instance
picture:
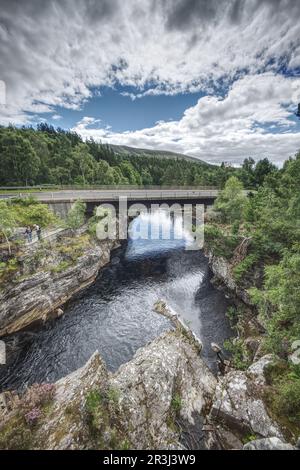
column 164, row 383
column 166, row 376
column 271, row 443
column 38, row 296
column 223, row 274
column 239, row 404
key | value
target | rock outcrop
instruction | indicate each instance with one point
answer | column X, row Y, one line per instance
column 271, row 443
column 38, row 296
column 149, row 403
column 238, row 402
column 222, row 270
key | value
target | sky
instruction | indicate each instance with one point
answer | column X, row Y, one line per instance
column 217, row 80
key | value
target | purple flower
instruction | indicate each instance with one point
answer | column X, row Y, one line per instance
column 32, row 416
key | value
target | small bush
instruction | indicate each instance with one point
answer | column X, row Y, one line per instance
column 240, row 358
column 222, row 244
column 38, row 395
column 32, row 416
column 62, row 266
column 176, row 403
column 93, row 400
column 244, row 266
column 113, row 395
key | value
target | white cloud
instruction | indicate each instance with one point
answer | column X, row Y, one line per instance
column 53, row 53
column 230, row 128
column 57, row 53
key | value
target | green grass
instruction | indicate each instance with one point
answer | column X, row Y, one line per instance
column 176, row 403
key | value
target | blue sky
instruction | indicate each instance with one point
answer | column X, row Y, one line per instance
column 123, row 113
column 216, row 80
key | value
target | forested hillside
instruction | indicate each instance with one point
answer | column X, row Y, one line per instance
column 259, row 236
column 54, row 156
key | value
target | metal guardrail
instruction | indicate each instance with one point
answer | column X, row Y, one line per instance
column 94, row 195
column 102, row 187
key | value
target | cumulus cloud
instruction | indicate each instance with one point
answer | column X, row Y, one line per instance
column 57, row 53
column 229, row 128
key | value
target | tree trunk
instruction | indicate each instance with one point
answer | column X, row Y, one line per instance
column 8, row 242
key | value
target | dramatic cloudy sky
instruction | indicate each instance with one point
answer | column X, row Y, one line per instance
column 216, row 79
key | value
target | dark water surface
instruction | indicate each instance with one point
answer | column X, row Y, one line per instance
column 115, row 315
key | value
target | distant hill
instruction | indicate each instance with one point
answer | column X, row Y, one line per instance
column 124, row 150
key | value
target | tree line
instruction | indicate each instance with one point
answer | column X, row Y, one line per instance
column 267, row 225
column 47, row 155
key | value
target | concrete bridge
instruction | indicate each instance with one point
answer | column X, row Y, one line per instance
column 62, row 200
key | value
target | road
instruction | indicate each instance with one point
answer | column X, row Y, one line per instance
column 112, row 195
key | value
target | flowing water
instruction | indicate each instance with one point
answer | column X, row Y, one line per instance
column 115, row 315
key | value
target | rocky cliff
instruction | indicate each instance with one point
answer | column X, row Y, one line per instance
column 156, row 401
column 223, row 277
column 47, row 278
column 164, row 398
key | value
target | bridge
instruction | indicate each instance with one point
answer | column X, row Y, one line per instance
column 90, row 195
column 61, row 200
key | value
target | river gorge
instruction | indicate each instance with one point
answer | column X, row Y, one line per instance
column 115, row 314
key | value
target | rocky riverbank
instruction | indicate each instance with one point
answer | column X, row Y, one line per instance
column 46, row 277
column 253, row 396
column 164, row 398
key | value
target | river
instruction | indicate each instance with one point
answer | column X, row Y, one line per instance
column 115, row 315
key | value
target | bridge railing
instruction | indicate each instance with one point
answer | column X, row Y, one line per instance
column 114, row 195
column 55, row 187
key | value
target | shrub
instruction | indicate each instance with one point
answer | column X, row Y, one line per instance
column 220, row 243
column 62, row 266
column 38, row 395
column 240, row 358
column 244, row 266
column 75, row 217
column 176, row 403
column 32, row 416
column 283, row 395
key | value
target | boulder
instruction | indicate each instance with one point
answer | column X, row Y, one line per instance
column 165, row 382
column 238, row 402
column 270, row 443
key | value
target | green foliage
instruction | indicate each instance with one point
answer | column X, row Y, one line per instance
column 244, row 266
column 62, row 266
column 21, row 213
column 93, row 400
column 270, row 218
column 32, row 213
column 113, row 395
column 249, row 438
column 76, row 215
column 279, row 303
column 240, row 358
column 220, row 242
column 104, row 420
column 7, row 222
column 8, row 269
column 231, row 202
column 55, row 156
column 232, row 314
column 18, row 432
column 176, row 403
column 283, row 394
